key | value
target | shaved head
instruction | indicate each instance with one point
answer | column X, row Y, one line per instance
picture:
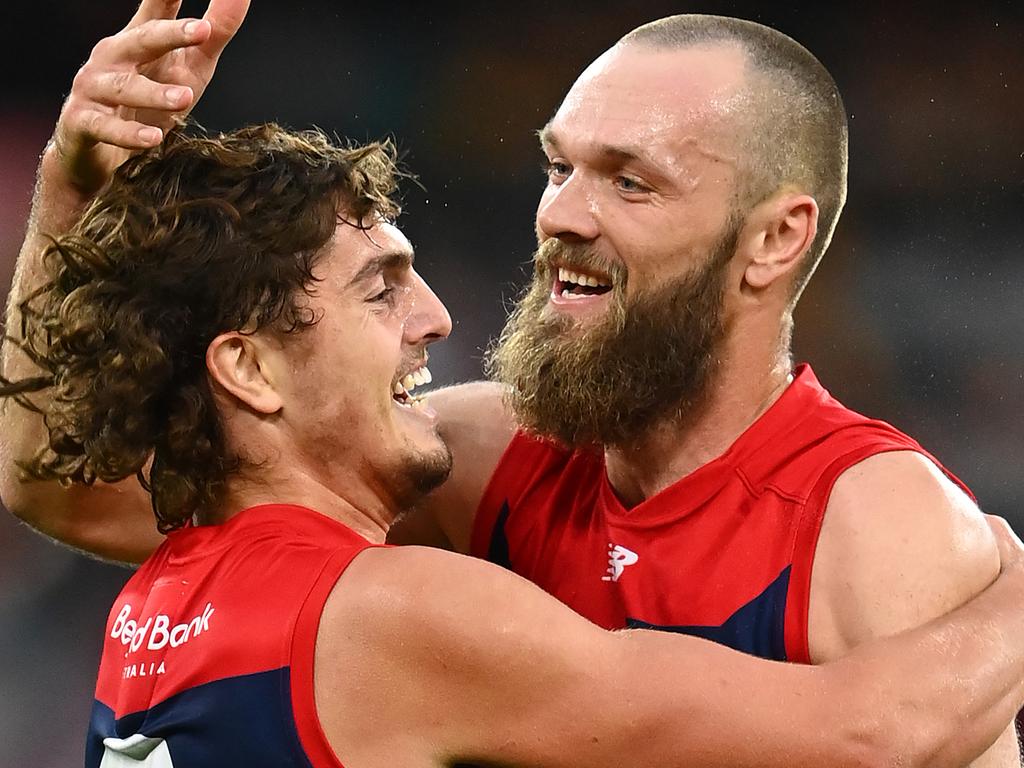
column 789, row 117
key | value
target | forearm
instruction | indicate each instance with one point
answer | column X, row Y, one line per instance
column 950, row 686
column 135, row 86
column 936, row 696
column 730, row 709
column 112, row 521
column 55, row 207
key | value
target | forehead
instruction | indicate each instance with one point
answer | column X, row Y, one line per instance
column 638, row 95
column 355, row 252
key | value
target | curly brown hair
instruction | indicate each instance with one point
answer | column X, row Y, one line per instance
column 197, row 237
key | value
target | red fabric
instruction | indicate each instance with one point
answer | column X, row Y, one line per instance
column 706, row 546
column 257, row 584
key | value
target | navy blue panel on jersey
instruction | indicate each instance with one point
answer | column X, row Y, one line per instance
column 758, row 628
column 238, row 721
column 497, row 552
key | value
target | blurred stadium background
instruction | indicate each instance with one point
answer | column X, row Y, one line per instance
column 915, row 316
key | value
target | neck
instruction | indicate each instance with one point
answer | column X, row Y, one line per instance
column 361, row 509
column 751, row 375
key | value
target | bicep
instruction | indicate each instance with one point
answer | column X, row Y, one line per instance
column 112, row 521
column 1005, row 753
column 900, row 545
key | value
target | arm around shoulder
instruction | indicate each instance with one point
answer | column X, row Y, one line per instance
column 900, row 545
column 480, row 666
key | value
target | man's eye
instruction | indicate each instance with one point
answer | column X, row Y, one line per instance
column 556, row 171
column 629, row 184
column 384, row 295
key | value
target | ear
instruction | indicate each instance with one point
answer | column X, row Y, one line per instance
column 777, row 235
column 235, row 361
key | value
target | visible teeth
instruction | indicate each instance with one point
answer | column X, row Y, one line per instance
column 568, row 276
column 412, row 380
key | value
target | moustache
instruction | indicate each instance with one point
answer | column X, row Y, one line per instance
column 584, row 257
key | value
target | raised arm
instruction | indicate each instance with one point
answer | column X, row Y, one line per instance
column 135, row 86
column 480, row 667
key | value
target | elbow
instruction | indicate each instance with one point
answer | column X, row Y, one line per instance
column 880, row 744
column 12, row 488
column 31, row 500
column 17, row 496
column 880, row 733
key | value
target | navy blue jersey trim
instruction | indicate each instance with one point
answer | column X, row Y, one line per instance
column 497, row 550
column 758, row 628
column 237, row 721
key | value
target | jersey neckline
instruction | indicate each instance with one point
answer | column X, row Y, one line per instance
column 694, row 489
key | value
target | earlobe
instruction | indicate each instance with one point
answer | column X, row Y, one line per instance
column 786, row 229
column 234, row 362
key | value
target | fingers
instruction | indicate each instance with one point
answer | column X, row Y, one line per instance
column 97, row 127
column 225, row 18
column 125, row 88
column 148, row 42
column 154, row 9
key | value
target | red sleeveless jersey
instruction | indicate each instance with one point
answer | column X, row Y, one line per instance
column 208, row 655
column 725, row 553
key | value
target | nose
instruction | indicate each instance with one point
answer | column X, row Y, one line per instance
column 567, row 211
column 428, row 320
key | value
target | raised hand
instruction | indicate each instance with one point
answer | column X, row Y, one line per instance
column 136, row 85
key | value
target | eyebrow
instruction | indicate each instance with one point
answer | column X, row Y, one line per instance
column 546, row 136
column 621, row 154
column 384, row 261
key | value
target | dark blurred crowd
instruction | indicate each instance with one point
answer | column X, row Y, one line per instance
column 915, row 316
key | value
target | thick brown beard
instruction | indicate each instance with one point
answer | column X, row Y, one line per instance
column 650, row 359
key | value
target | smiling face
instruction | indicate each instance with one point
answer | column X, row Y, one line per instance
column 642, row 159
column 344, row 382
column 637, row 226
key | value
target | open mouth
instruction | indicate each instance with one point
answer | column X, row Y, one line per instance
column 405, row 385
column 576, row 285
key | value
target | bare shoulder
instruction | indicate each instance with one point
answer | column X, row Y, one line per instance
column 900, row 544
column 442, row 643
column 425, row 610
column 477, row 426
column 428, row 590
